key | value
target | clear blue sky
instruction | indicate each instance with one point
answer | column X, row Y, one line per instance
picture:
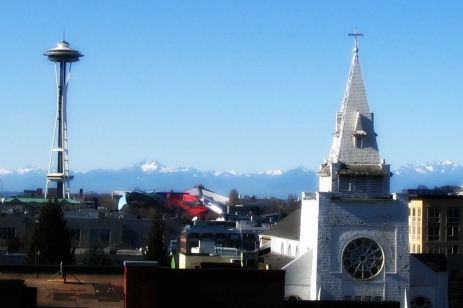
column 229, row 85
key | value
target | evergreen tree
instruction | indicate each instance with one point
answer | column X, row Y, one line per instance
column 157, row 242
column 96, row 256
column 49, row 237
column 14, row 244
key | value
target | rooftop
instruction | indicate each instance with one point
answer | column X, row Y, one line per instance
column 83, row 290
column 288, row 228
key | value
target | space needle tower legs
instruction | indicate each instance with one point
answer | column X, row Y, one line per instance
column 58, row 168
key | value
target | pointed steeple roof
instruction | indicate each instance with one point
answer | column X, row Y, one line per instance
column 355, row 139
column 354, row 168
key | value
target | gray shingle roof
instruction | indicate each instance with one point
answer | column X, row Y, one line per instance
column 288, row 228
column 355, row 120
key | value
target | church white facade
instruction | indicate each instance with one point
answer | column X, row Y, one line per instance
column 354, row 232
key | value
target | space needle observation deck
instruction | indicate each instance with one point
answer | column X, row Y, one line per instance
column 58, row 168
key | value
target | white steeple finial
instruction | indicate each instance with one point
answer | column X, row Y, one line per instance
column 356, row 34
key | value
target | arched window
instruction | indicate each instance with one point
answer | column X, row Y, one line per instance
column 297, row 251
column 292, row 298
column 288, row 253
column 282, row 249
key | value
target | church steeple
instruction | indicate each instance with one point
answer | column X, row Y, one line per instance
column 354, row 158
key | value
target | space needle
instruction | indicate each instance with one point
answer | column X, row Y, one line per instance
column 58, row 168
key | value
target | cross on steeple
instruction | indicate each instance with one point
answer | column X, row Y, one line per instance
column 356, row 34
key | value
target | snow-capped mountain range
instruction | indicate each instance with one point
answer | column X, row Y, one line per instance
column 152, row 175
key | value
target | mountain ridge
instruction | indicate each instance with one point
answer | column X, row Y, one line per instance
column 153, row 175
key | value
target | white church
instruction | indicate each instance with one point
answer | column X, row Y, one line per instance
column 353, row 242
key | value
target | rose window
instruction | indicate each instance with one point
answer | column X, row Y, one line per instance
column 363, row 258
column 420, row 302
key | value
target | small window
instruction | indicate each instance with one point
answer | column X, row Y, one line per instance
column 367, row 298
column 455, row 270
column 361, row 183
column 344, row 183
column 7, row 233
column 454, row 288
column 377, row 183
column 358, row 143
column 378, row 298
column 74, row 234
column 97, row 235
column 433, row 233
column 338, row 120
column 453, row 249
column 453, row 216
column 207, row 235
column 453, row 233
column 434, row 215
column 433, row 249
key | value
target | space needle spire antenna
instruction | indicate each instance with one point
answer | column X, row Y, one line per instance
column 58, row 168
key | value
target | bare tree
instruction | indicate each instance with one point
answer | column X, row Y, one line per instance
column 233, row 199
column 106, row 201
